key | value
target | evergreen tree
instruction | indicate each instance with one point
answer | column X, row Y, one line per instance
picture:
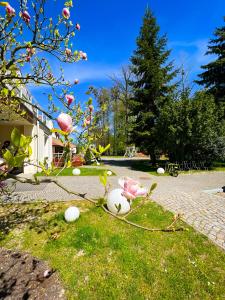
column 152, row 88
column 190, row 129
column 213, row 77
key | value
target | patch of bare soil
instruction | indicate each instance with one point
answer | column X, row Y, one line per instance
column 25, row 277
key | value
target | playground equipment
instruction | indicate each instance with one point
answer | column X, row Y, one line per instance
column 130, row 151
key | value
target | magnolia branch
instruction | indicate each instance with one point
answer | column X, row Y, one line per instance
column 123, row 219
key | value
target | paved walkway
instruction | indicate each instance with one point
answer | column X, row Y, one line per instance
column 184, row 194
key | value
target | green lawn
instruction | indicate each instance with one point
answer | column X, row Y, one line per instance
column 100, row 258
column 85, row 171
column 145, row 166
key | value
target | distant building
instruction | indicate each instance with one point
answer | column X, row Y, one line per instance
column 58, row 149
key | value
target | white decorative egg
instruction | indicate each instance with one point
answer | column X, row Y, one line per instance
column 160, row 171
column 72, row 214
column 76, row 171
column 115, row 200
column 2, row 160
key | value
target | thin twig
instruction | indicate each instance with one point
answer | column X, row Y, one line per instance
column 123, row 219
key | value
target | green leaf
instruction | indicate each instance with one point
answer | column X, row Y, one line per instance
column 8, row 157
column 101, row 149
column 59, row 131
column 153, row 187
column 90, row 101
column 19, row 160
column 5, row 92
column 106, row 148
column 22, row 141
column 15, row 137
column 118, row 207
column 29, row 150
column 103, row 179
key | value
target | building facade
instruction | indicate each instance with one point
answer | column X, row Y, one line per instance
column 34, row 124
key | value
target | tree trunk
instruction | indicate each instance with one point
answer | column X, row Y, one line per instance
column 153, row 157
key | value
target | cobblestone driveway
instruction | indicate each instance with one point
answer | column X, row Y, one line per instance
column 184, row 194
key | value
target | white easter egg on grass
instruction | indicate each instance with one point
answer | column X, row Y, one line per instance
column 76, row 171
column 2, row 161
column 72, row 214
column 160, row 171
column 116, row 200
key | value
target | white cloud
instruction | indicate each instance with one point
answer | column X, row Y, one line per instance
column 87, row 71
column 191, row 54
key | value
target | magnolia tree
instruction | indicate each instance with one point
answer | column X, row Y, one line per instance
column 29, row 38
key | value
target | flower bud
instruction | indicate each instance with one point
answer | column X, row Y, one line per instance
column 78, row 26
column 69, row 98
column 87, row 121
column 10, row 11
column 65, row 122
column 68, row 52
column 66, row 13
column 83, row 55
column 91, row 108
column 25, row 16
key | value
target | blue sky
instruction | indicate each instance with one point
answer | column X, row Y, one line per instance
column 109, row 29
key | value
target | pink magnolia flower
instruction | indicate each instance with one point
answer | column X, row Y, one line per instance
column 66, row 13
column 76, row 81
column 69, row 98
column 31, row 51
column 87, row 121
column 65, row 122
column 26, row 16
column 68, row 52
column 131, row 188
column 49, row 75
column 78, row 26
column 10, row 10
column 83, row 55
column 91, row 108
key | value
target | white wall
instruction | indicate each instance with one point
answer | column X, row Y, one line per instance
column 41, row 146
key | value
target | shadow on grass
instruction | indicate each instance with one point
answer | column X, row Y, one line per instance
column 14, row 215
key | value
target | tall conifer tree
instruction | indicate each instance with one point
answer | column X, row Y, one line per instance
column 152, row 84
column 213, row 77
